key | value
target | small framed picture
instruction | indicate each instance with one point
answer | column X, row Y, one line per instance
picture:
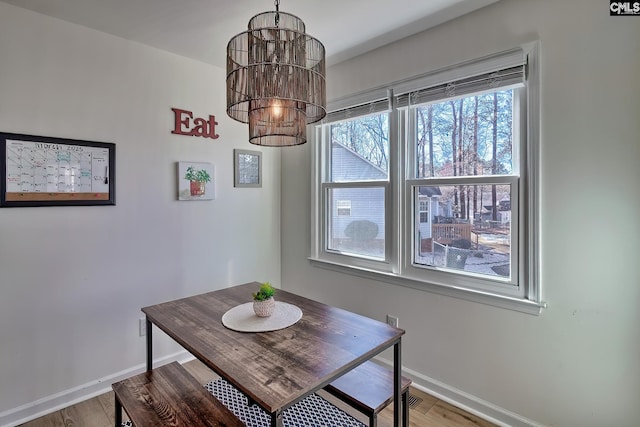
column 247, row 168
column 195, row 181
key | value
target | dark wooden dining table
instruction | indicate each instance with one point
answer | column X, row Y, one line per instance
column 275, row 369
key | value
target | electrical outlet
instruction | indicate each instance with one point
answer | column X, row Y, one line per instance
column 392, row 321
column 142, row 326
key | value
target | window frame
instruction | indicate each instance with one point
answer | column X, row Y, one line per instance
column 322, row 239
column 411, row 182
column 524, row 294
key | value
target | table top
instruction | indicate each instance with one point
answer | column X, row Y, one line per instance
column 278, row 368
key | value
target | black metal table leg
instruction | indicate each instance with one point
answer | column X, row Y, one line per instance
column 149, row 346
column 405, row 408
column 397, row 382
column 118, row 413
column 276, row 418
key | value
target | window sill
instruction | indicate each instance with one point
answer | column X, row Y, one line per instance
column 501, row 301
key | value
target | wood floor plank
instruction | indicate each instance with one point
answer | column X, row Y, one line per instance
column 89, row 413
column 418, row 419
column 52, row 420
column 200, row 372
column 446, row 415
column 108, row 403
column 432, row 412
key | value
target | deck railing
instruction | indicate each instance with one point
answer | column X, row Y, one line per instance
column 447, row 233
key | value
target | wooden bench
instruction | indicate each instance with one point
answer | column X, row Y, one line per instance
column 369, row 389
column 169, row 396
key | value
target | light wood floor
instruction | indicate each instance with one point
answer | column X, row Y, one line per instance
column 99, row 411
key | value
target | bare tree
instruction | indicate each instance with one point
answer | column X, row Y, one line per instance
column 494, row 163
column 430, row 136
column 460, row 160
column 475, row 152
column 454, row 148
column 367, row 136
column 422, row 154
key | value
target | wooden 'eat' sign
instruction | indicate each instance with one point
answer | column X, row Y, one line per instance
column 185, row 124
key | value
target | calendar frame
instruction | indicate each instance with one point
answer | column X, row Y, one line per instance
column 99, row 183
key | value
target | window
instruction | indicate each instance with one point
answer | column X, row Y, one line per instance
column 358, row 159
column 344, row 207
column 431, row 182
column 424, row 209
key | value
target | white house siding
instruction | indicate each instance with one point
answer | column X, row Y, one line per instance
column 366, row 203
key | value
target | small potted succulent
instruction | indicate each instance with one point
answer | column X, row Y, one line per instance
column 263, row 301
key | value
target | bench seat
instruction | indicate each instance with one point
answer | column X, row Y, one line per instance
column 169, row 396
column 369, row 389
column 312, row 411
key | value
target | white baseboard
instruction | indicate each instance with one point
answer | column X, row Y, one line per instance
column 63, row 399
column 472, row 404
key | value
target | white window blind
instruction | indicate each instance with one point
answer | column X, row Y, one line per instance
column 510, row 77
column 374, row 107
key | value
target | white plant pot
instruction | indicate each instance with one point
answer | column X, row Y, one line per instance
column 264, row 308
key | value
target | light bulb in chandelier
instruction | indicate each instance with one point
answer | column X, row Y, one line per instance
column 276, row 109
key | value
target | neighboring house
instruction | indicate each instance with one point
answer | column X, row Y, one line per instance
column 503, row 214
column 354, row 204
column 429, row 207
column 368, row 204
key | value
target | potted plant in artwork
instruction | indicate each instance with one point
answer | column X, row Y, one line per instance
column 263, row 301
column 197, row 180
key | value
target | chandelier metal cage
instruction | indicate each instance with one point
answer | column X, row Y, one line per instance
column 276, row 79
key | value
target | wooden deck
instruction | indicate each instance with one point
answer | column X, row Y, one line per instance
column 446, row 233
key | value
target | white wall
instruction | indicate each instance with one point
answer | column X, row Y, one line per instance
column 577, row 363
column 73, row 279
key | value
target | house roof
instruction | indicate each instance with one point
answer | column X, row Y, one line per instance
column 429, row 191
column 348, row 165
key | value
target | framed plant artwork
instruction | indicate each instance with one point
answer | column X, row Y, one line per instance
column 196, row 181
column 247, row 168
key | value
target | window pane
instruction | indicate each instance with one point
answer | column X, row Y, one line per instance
column 360, row 149
column 466, row 136
column 469, row 229
column 361, row 232
column 424, row 209
column 344, row 207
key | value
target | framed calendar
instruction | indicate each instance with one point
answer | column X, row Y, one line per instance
column 46, row 171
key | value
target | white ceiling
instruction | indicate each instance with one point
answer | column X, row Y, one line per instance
column 200, row 29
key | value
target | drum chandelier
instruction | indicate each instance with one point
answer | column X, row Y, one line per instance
column 276, row 79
